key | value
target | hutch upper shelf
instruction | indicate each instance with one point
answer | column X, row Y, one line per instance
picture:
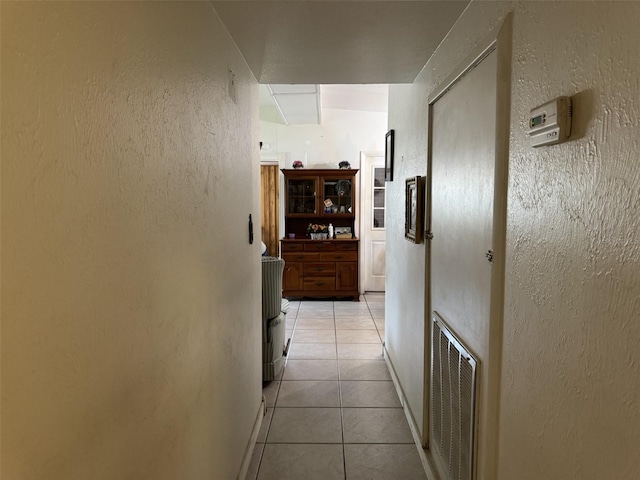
column 322, row 193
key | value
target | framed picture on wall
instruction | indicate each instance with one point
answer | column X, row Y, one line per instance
column 413, row 209
column 388, row 156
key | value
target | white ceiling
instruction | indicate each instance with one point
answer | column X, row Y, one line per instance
column 337, row 47
column 338, row 42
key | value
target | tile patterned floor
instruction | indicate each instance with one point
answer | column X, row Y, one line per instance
column 334, row 412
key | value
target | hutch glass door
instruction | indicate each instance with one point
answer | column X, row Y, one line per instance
column 337, row 196
column 302, row 196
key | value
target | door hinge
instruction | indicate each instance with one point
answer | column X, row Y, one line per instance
column 489, row 255
column 428, row 235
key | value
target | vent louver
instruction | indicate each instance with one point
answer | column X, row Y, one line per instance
column 453, row 380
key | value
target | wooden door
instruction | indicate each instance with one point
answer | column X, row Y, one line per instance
column 292, row 277
column 346, row 275
column 269, row 180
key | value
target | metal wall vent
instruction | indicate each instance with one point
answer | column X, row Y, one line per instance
column 453, row 385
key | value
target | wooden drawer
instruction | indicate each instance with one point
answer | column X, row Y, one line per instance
column 319, row 284
column 301, row 257
column 292, row 247
column 319, row 269
column 339, row 256
column 341, row 247
column 319, row 246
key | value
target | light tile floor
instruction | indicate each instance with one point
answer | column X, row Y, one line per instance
column 334, row 413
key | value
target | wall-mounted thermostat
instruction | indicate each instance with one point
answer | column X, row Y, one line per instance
column 550, row 123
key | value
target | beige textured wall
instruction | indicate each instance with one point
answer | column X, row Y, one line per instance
column 131, row 297
column 570, row 396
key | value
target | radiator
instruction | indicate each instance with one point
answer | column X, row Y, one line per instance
column 453, row 390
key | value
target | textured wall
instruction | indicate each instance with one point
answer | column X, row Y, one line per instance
column 570, row 396
column 130, row 347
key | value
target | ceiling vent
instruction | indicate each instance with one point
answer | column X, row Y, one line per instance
column 297, row 104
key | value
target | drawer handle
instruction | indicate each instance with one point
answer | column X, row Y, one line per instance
column 319, row 284
column 300, row 257
column 338, row 257
column 319, row 269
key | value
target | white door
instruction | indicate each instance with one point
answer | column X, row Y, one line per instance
column 372, row 222
column 464, row 203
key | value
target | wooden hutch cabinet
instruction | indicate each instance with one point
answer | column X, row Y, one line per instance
column 327, row 267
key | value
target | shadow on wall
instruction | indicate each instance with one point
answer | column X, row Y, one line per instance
column 583, row 107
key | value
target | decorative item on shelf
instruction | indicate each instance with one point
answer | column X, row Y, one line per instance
column 327, row 205
column 297, row 164
column 343, row 165
column 343, row 187
column 343, row 232
column 317, row 231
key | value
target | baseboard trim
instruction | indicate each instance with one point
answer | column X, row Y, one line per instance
column 246, row 460
column 429, row 470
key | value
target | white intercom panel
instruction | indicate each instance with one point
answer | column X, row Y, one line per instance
column 550, row 123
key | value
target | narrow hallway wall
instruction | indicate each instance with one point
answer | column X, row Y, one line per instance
column 130, row 293
column 569, row 394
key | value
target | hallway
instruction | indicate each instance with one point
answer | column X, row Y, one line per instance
column 334, row 414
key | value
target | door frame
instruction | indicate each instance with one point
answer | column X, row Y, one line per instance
column 361, row 202
column 500, row 41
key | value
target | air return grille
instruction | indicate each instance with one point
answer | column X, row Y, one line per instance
column 453, row 381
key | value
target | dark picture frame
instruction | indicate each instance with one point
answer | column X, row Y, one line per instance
column 413, row 209
column 388, row 156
